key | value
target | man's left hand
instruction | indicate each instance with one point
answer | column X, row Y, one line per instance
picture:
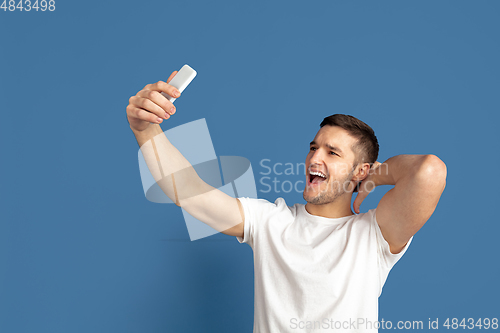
column 366, row 186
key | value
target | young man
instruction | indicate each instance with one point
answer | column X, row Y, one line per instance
column 319, row 266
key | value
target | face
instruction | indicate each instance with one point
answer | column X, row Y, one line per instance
column 329, row 165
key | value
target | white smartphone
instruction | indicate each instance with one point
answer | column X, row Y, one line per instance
column 181, row 80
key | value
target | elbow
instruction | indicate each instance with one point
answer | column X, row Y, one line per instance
column 434, row 170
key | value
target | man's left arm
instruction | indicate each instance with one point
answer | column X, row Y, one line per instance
column 419, row 181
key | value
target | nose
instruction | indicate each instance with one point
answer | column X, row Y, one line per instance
column 316, row 157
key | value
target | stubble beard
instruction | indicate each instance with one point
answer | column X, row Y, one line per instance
column 334, row 189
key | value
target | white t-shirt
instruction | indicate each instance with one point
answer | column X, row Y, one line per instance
column 315, row 274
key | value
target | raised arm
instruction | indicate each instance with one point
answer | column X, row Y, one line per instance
column 171, row 170
column 419, row 181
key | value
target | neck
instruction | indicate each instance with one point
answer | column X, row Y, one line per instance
column 340, row 207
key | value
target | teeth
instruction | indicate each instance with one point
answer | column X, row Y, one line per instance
column 317, row 174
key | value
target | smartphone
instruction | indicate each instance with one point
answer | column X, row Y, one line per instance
column 181, row 80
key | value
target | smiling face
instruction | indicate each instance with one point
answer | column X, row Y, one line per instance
column 329, row 165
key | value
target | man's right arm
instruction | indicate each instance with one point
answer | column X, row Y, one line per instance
column 171, row 170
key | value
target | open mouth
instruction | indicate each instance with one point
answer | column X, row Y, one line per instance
column 316, row 177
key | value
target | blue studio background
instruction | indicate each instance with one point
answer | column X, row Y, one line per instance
column 82, row 250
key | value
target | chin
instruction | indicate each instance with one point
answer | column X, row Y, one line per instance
column 319, row 199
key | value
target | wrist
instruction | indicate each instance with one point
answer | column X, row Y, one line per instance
column 147, row 134
column 377, row 177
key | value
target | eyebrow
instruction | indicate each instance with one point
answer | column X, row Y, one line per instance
column 329, row 147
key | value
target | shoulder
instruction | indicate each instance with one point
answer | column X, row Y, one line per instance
column 366, row 224
column 368, row 220
column 279, row 203
column 365, row 219
column 262, row 207
column 260, row 215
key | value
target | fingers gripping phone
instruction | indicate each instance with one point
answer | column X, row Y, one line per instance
column 181, row 80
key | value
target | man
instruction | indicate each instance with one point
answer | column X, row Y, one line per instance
column 319, row 266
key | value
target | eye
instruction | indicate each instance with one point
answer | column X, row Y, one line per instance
column 312, row 148
column 333, row 153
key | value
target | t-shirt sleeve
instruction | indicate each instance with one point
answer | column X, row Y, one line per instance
column 257, row 212
column 386, row 259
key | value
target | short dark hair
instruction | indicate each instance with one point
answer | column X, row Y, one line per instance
column 366, row 149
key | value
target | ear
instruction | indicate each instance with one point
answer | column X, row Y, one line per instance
column 362, row 171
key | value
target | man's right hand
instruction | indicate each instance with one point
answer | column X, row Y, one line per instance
column 149, row 106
